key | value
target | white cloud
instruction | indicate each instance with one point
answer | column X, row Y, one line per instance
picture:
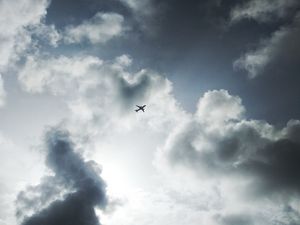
column 99, row 29
column 47, row 33
column 58, row 75
column 16, row 16
column 262, row 10
column 103, row 92
column 219, row 107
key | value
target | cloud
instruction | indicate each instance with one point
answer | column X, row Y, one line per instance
column 16, row 17
column 251, row 163
column 254, row 62
column 2, row 92
column 219, row 145
column 139, row 12
column 236, row 220
column 56, row 74
column 102, row 93
column 99, row 29
column 219, row 106
column 229, row 154
column 277, row 51
column 262, row 10
column 16, row 161
column 80, row 179
column 47, row 33
column 136, row 5
column 245, row 165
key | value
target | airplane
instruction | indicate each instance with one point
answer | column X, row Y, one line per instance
column 140, row 108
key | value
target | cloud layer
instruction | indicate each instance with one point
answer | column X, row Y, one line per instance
column 238, row 157
column 215, row 166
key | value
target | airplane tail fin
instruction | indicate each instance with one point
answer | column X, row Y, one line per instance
column 136, row 110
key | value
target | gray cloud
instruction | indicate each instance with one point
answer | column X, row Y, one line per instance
column 84, row 188
column 2, row 92
column 134, row 91
column 219, row 146
column 235, row 220
column 278, row 51
column 263, row 10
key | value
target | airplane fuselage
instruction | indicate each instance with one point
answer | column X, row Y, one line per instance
column 140, row 108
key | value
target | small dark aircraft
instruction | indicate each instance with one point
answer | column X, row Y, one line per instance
column 140, row 108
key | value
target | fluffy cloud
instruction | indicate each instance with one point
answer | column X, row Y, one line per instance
column 219, row 106
column 23, row 24
column 80, row 179
column 246, row 157
column 58, row 75
column 16, row 16
column 227, row 143
column 47, row 33
column 99, row 29
column 262, row 10
column 102, row 95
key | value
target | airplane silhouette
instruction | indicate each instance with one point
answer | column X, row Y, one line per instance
column 140, row 108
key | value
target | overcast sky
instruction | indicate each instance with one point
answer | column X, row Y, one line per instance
column 218, row 143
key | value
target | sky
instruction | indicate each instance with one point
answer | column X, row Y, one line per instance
column 218, row 143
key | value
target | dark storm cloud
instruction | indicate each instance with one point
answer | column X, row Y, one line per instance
column 80, row 179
